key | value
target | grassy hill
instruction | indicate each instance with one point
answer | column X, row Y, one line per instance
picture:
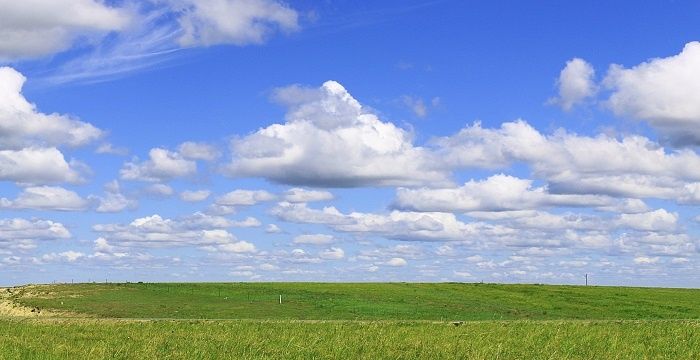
column 348, row 321
column 365, row 301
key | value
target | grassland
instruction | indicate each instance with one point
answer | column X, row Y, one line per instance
column 102, row 339
column 364, row 301
column 351, row 321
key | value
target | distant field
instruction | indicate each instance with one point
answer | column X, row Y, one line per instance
column 364, row 301
column 348, row 321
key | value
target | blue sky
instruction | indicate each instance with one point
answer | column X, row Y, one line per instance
column 258, row 140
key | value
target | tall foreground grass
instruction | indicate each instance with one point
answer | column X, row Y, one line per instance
column 285, row 339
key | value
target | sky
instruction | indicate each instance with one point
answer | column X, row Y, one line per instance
column 428, row 141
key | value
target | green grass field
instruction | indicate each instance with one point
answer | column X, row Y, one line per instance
column 346, row 321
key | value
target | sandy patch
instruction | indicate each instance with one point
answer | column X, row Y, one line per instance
column 8, row 307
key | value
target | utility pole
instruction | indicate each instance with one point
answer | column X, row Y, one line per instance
column 586, row 279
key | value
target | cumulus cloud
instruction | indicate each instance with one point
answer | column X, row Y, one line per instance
column 576, row 84
column 238, row 247
column 238, row 22
column 272, row 229
column 198, row 151
column 199, row 230
column 631, row 166
column 21, row 125
column 314, row 239
column 496, row 193
column 47, row 198
column 114, row 200
column 654, row 231
column 67, row 256
column 244, row 197
column 329, row 139
column 663, row 91
column 33, row 28
column 657, row 220
column 194, row 195
column 162, row 165
column 107, row 148
column 160, row 190
column 247, row 222
column 298, row 195
column 333, row 253
column 645, row 260
column 38, row 166
column 18, row 232
column 418, row 226
column 29, row 139
column 397, row 262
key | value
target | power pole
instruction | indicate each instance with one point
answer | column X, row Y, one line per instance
column 586, row 279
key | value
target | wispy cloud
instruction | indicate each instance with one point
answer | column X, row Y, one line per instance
column 160, row 30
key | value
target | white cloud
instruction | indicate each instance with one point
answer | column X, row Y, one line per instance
column 68, row 256
column 201, row 220
column 200, row 230
column 194, row 195
column 160, row 190
column 29, row 138
column 417, row 226
column 37, row 166
column 239, row 22
column 657, row 220
column 663, row 91
column 32, row 28
column 247, row 222
column 159, row 29
column 333, row 253
column 268, row 267
column 244, row 197
column 155, row 231
column 496, row 193
column 238, row 247
column 632, row 166
column 273, row 229
column 22, row 232
column 679, row 260
column 573, row 263
column 102, row 245
column 416, row 105
column 462, row 274
column 21, row 125
column 47, row 198
column 107, row 148
column 198, row 151
column 645, row 260
column 114, row 200
column 301, row 213
column 314, row 239
column 445, row 250
column 576, row 84
column 298, row 195
column 397, row 262
column 329, row 139
column 162, row 165
column 655, row 231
